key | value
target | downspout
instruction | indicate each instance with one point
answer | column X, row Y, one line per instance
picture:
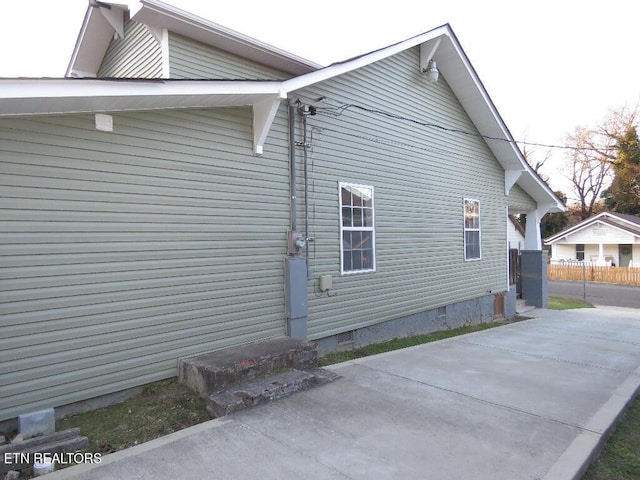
column 292, row 167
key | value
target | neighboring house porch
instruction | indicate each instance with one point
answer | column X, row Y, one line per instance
column 607, row 239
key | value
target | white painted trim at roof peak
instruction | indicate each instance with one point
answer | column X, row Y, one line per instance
column 326, row 73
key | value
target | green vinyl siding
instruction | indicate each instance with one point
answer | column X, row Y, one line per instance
column 123, row 252
column 189, row 59
column 520, row 201
column 421, row 175
column 137, row 55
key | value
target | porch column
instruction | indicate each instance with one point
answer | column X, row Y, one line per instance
column 533, row 262
column 601, row 254
column 533, row 236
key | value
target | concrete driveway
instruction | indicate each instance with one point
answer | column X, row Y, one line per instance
column 530, row 400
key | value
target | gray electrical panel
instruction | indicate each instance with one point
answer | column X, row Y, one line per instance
column 295, row 277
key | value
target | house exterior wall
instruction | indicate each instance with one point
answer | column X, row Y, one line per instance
column 566, row 252
column 193, row 60
column 421, row 176
column 600, row 234
column 520, row 201
column 123, row 252
column 137, row 55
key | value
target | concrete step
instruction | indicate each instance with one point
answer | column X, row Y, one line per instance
column 214, row 372
column 522, row 307
column 267, row 389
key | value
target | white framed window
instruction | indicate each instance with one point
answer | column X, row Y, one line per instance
column 357, row 228
column 472, row 236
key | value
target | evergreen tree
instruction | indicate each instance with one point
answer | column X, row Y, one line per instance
column 623, row 195
column 553, row 223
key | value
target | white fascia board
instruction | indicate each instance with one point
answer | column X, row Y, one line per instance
column 362, row 61
column 79, row 42
column 59, row 88
column 36, row 97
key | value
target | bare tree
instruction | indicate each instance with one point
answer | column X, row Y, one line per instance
column 590, row 166
column 536, row 163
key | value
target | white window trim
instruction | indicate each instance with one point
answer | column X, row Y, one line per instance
column 371, row 229
column 465, row 229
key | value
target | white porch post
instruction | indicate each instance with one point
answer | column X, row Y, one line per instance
column 601, row 253
column 532, row 237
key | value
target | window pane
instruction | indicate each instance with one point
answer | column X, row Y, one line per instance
column 346, row 217
column 357, row 198
column 368, row 217
column 357, row 260
column 367, row 241
column 472, row 245
column 357, row 217
column 346, row 261
column 346, row 240
column 356, row 240
column 345, row 195
column 367, row 259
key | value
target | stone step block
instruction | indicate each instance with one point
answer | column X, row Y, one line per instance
column 216, row 371
column 266, row 389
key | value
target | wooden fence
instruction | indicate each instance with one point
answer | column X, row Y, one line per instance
column 621, row 275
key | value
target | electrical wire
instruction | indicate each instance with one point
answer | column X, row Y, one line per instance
column 336, row 111
column 399, row 144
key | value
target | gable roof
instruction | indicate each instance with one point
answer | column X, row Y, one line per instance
column 100, row 25
column 49, row 96
column 620, row 221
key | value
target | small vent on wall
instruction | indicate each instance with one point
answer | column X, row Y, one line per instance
column 346, row 337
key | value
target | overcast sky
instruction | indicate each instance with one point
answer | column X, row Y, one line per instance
column 547, row 65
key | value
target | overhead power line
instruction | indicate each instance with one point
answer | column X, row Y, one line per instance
column 339, row 110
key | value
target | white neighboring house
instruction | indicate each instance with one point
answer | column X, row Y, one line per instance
column 608, row 238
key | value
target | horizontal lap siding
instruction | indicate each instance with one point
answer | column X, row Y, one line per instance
column 137, row 55
column 191, row 59
column 519, row 201
column 421, row 175
column 123, row 252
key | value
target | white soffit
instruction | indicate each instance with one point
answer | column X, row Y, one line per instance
column 56, row 96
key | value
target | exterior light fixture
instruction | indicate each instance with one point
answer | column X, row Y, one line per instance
column 431, row 71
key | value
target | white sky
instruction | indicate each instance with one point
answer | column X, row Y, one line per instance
column 547, row 65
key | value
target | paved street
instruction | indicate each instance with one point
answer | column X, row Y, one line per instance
column 598, row 293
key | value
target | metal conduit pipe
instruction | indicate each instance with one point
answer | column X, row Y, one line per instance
column 292, row 167
column 306, row 193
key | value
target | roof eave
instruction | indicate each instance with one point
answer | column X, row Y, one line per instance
column 24, row 97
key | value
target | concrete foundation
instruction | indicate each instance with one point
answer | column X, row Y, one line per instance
column 510, row 302
column 38, row 423
column 471, row 312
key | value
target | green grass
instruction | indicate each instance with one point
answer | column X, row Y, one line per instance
column 563, row 303
column 620, row 458
column 405, row 342
column 162, row 408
